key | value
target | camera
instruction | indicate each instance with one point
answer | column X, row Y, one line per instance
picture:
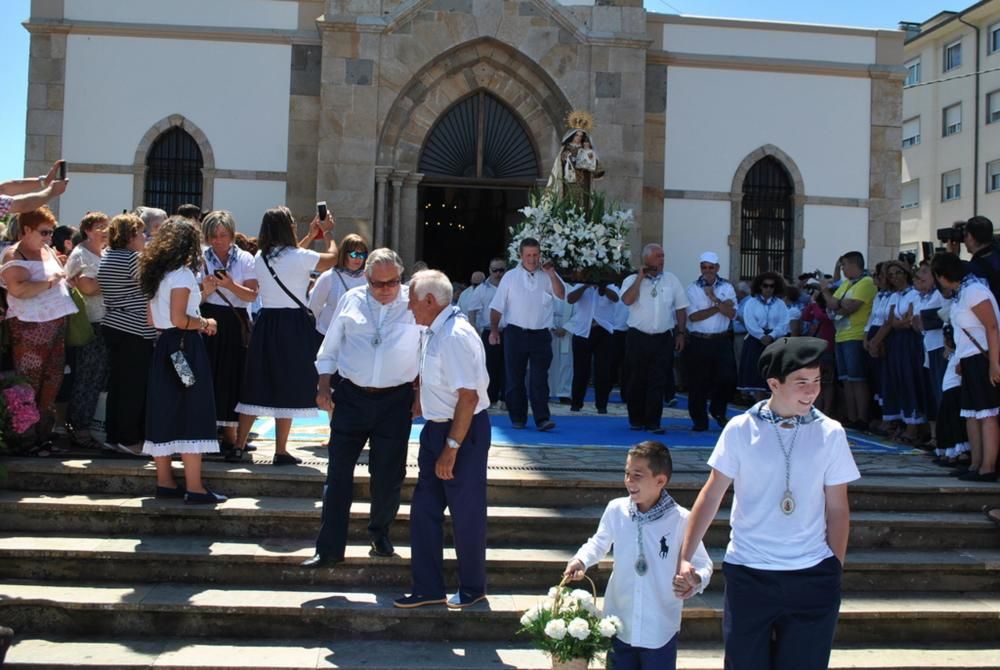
column 908, row 257
column 62, row 170
column 953, row 233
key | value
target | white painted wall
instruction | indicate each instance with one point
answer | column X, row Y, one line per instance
column 830, row 232
column 715, row 118
column 117, row 88
column 276, row 14
column 761, row 42
column 88, row 192
column 247, row 200
column 691, row 227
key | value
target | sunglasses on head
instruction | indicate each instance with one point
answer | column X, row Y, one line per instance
column 391, row 283
column 358, row 254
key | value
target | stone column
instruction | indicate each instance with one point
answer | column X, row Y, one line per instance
column 46, row 84
column 397, row 191
column 408, row 230
column 381, row 176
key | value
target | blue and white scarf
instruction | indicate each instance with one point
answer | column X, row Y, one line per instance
column 661, row 507
column 763, row 412
column 213, row 262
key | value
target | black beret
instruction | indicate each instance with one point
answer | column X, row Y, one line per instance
column 788, row 354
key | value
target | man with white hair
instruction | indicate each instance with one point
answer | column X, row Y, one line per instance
column 710, row 366
column 371, row 351
column 657, row 321
column 152, row 217
column 454, row 445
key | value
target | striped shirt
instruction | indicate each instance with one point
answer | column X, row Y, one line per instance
column 125, row 304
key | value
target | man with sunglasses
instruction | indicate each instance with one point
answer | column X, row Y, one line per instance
column 367, row 366
column 479, row 316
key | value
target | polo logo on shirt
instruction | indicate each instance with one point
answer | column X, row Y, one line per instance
column 663, row 547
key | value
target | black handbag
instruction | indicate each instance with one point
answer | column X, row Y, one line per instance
column 281, row 285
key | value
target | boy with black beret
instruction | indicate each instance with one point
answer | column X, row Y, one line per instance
column 789, row 465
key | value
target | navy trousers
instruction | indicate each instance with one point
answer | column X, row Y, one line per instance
column 494, row 366
column 626, row 657
column 520, row 347
column 596, row 348
column 465, row 498
column 650, row 361
column 382, row 420
column 780, row 619
column 710, row 372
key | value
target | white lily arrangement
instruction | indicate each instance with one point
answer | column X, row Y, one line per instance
column 568, row 625
column 585, row 246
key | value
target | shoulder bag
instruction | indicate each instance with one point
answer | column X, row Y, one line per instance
column 281, row 285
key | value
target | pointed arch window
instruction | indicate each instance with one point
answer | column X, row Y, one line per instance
column 173, row 171
column 767, row 220
column 479, row 138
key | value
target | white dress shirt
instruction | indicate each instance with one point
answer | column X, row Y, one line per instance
column 933, row 339
column 452, row 357
column 480, row 304
column 525, row 298
column 765, row 318
column 466, row 300
column 654, row 314
column 647, row 606
column 698, row 300
column 329, row 288
column 349, row 344
column 589, row 308
column 239, row 266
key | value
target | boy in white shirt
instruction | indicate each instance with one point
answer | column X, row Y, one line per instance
column 646, row 528
column 789, row 466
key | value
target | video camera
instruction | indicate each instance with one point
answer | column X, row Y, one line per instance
column 953, row 233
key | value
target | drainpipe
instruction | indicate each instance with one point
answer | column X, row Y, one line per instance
column 975, row 131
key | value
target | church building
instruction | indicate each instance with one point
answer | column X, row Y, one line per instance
column 426, row 124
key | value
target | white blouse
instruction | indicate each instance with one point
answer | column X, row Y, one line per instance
column 292, row 265
column 49, row 305
column 160, row 304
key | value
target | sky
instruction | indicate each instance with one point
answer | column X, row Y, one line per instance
column 863, row 13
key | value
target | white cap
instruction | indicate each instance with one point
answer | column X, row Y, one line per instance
column 709, row 257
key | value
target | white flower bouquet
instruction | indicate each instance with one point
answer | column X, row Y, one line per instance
column 586, row 246
column 568, row 626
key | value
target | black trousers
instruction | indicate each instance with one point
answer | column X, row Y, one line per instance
column 710, row 368
column 780, row 619
column 521, row 347
column 383, row 421
column 128, row 376
column 596, row 349
column 494, row 367
column 650, row 361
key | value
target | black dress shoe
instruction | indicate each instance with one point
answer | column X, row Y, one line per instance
column 721, row 420
column 320, row 561
column 382, row 548
column 699, row 428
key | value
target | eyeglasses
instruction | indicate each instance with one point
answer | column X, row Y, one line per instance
column 767, row 285
column 358, row 254
column 45, row 232
column 391, row 283
column 497, row 270
column 895, row 273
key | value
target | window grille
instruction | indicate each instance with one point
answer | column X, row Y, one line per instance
column 173, row 171
column 767, row 220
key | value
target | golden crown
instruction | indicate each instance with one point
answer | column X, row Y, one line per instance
column 580, row 120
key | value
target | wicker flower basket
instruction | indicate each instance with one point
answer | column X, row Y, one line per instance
column 573, row 663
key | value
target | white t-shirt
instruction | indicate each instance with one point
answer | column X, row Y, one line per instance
column 160, row 304
column 654, row 314
column 82, row 262
column 966, row 323
column 480, row 304
column 292, row 265
column 763, row 536
column 525, row 298
column 952, row 379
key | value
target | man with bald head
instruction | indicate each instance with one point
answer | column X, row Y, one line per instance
column 657, row 322
column 466, row 298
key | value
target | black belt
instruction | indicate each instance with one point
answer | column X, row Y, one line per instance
column 528, row 330
column 708, row 336
column 374, row 390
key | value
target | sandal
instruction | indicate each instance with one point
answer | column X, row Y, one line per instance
column 992, row 508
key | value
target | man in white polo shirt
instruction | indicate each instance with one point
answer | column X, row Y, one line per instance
column 454, row 444
column 789, row 465
column 657, row 320
column 479, row 316
column 524, row 300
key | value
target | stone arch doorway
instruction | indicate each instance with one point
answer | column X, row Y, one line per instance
column 479, row 164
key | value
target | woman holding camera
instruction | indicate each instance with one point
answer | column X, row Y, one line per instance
column 280, row 378
column 228, row 287
column 974, row 317
column 180, row 411
column 338, row 280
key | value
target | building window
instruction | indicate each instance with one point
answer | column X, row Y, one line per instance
column 911, row 132
column 993, row 107
column 912, row 72
column 767, row 220
column 951, row 185
column 173, row 171
column 994, row 38
column 953, row 56
column 910, row 196
column 993, row 176
column 951, row 120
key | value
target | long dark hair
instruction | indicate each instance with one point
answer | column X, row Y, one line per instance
column 277, row 229
column 779, row 284
column 177, row 244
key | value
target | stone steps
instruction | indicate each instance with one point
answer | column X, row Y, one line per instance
column 196, row 610
column 113, row 515
column 267, row 654
column 927, row 489
column 276, row 561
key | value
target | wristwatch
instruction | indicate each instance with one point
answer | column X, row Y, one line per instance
column 453, row 443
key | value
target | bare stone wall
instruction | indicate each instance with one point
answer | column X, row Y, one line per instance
column 46, row 86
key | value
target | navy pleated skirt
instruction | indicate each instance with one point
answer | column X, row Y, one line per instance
column 749, row 376
column 904, row 383
column 227, row 356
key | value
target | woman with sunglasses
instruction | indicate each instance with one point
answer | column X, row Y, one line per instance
column 765, row 316
column 280, row 378
column 338, row 280
column 38, row 303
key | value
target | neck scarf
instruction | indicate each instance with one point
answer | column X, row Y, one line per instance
column 764, row 412
column 661, row 507
column 214, row 263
